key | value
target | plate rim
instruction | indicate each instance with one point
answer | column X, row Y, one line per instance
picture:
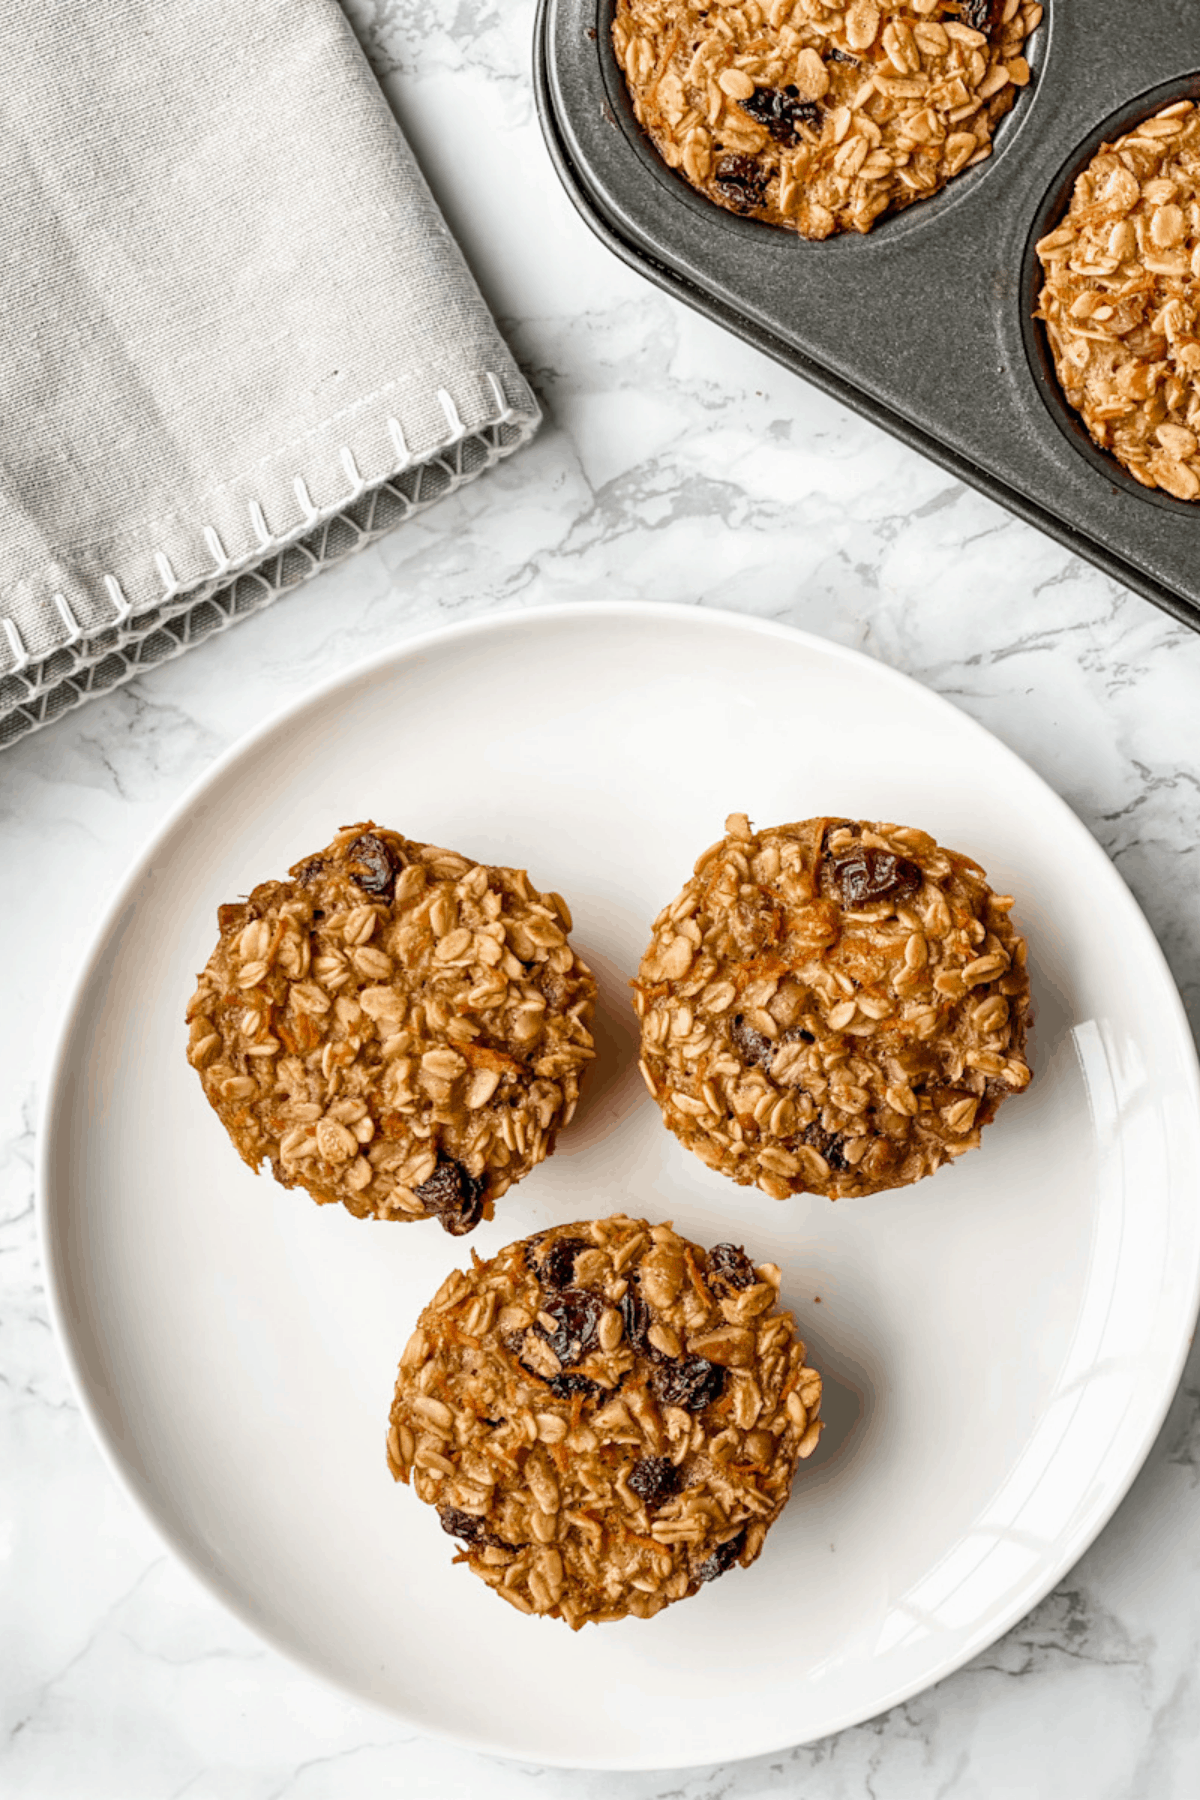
column 54, row 1101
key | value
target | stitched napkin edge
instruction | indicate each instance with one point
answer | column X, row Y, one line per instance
column 37, row 689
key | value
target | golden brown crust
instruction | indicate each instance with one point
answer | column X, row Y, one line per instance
column 1121, row 300
column 817, row 116
column 606, row 1416
column 395, row 1027
column 805, row 1037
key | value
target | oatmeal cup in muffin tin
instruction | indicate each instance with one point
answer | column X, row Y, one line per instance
column 1120, row 299
column 822, row 117
column 606, row 1416
column 394, row 1026
column 832, row 1007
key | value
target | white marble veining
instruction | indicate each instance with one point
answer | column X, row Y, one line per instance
column 675, row 464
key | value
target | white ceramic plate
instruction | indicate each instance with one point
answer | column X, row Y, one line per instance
column 999, row 1343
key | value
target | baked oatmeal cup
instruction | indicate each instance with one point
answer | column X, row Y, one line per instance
column 832, row 1007
column 395, row 1027
column 822, row 117
column 606, row 1416
column 1121, row 300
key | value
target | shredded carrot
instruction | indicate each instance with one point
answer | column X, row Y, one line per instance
column 653, row 990
column 697, row 1279
column 456, row 1335
column 645, row 1543
column 481, row 1057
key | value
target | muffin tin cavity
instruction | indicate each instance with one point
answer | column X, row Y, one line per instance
column 732, row 219
column 815, row 120
column 1048, row 216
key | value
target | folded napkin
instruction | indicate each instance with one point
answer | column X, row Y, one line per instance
column 236, row 338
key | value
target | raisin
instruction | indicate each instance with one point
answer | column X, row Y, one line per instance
column 563, row 1386
column 636, row 1316
column 978, row 14
column 654, row 1479
column 722, row 1558
column 993, row 1093
column 310, row 870
column 689, row 1381
column 729, row 1268
column 782, row 111
column 826, row 1144
column 557, row 1268
column 468, row 1529
column 370, row 863
column 554, row 990
column 576, row 1314
column 739, row 180
column 465, row 1526
column 868, row 875
column 454, row 1196
column 751, row 1045
column 843, row 56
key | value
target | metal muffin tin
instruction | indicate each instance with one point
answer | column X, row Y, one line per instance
column 924, row 325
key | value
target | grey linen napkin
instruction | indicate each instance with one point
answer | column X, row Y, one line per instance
column 236, row 338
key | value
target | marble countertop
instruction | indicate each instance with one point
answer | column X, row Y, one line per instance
column 675, row 464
